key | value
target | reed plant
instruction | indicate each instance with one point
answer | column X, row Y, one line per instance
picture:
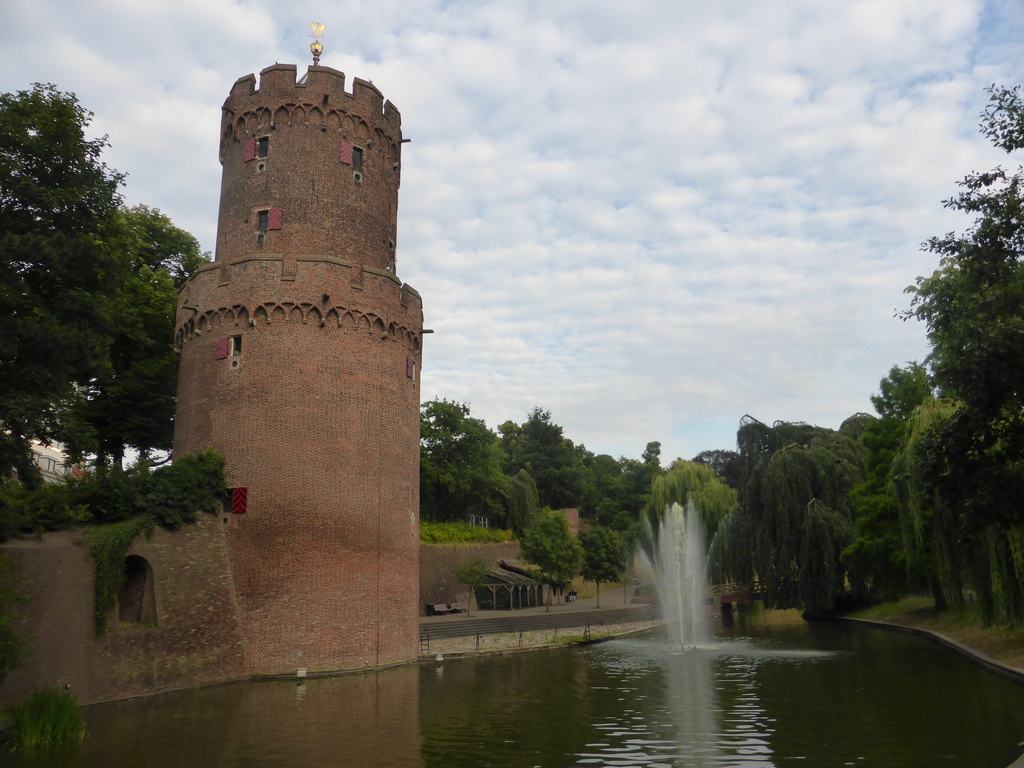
column 46, row 716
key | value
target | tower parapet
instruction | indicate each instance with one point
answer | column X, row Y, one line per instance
column 309, row 168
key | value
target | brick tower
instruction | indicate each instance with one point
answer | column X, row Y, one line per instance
column 300, row 360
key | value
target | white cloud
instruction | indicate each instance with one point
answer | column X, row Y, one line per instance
column 649, row 219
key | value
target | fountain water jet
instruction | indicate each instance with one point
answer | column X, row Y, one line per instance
column 680, row 565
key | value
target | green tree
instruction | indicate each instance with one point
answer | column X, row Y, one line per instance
column 604, row 556
column 522, row 505
column 550, row 546
column 131, row 404
column 56, row 269
column 970, row 463
column 473, row 574
column 635, row 493
column 606, row 477
column 795, row 514
column 687, row 481
column 973, row 308
column 879, row 554
column 930, row 543
column 460, row 464
column 725, row 463
column 539, row 447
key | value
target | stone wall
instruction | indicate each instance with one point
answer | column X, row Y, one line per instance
column 195, row 638
column 437, row 568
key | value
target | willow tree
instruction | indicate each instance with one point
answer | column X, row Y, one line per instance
column 927, row 521
column 522, row 505
column 881, row 554
column 795, row 514
column 961, row 550
column 683, row 482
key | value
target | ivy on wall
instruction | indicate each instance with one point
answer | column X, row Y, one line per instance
column 114, row 506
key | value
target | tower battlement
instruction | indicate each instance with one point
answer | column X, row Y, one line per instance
column 322, row 86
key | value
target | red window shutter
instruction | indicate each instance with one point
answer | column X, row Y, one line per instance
column 223, row 347
column 346, row 153
column 250, row 151
column 410, row 368
column 239, row 500
column 275, row 216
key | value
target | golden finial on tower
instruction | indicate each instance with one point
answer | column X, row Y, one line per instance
column 316, row 47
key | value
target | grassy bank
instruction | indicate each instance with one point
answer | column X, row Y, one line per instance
column 961, row 624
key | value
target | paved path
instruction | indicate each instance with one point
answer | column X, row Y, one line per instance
column 579, row 613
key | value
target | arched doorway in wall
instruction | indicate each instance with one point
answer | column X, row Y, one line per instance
column 137, row 601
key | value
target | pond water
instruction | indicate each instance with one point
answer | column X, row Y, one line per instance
column 824, row 694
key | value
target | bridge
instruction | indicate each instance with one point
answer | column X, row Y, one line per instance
column 733, row 593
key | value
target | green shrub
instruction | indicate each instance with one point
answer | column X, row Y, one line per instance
column 135, row 501
column 46, row 716
column 461, row 533
column 170, row 495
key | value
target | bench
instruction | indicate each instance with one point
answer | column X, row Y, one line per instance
column 440, row 609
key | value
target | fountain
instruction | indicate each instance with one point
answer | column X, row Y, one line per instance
column 680, row 565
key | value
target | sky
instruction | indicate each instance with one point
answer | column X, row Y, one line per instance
column 648, row 218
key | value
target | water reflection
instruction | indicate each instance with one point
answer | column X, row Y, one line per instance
column 360, row 720
column 820, row 696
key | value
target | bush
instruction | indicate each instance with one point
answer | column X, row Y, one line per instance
column 46, row 716
column 170, row 495
column 461, row 533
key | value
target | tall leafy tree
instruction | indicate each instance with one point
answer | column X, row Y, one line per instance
column 539, row 447
column 881, row 554
column 522, row 506
column 795, row 514
column 56, row 269
column 687, row 481
column 973, row 307
column 972, row 460
column 637, row 478
column 604, row 556
column 550, row 546
column 460, row 464
column 472, row 573
column 131, row 404
column 606, row 478
column 725, row 463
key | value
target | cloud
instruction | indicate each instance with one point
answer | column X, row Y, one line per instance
column 648, row 219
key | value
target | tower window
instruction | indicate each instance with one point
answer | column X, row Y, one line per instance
column 269, row 219
column 236, row 346
column 357, row 158
column 262, row 147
